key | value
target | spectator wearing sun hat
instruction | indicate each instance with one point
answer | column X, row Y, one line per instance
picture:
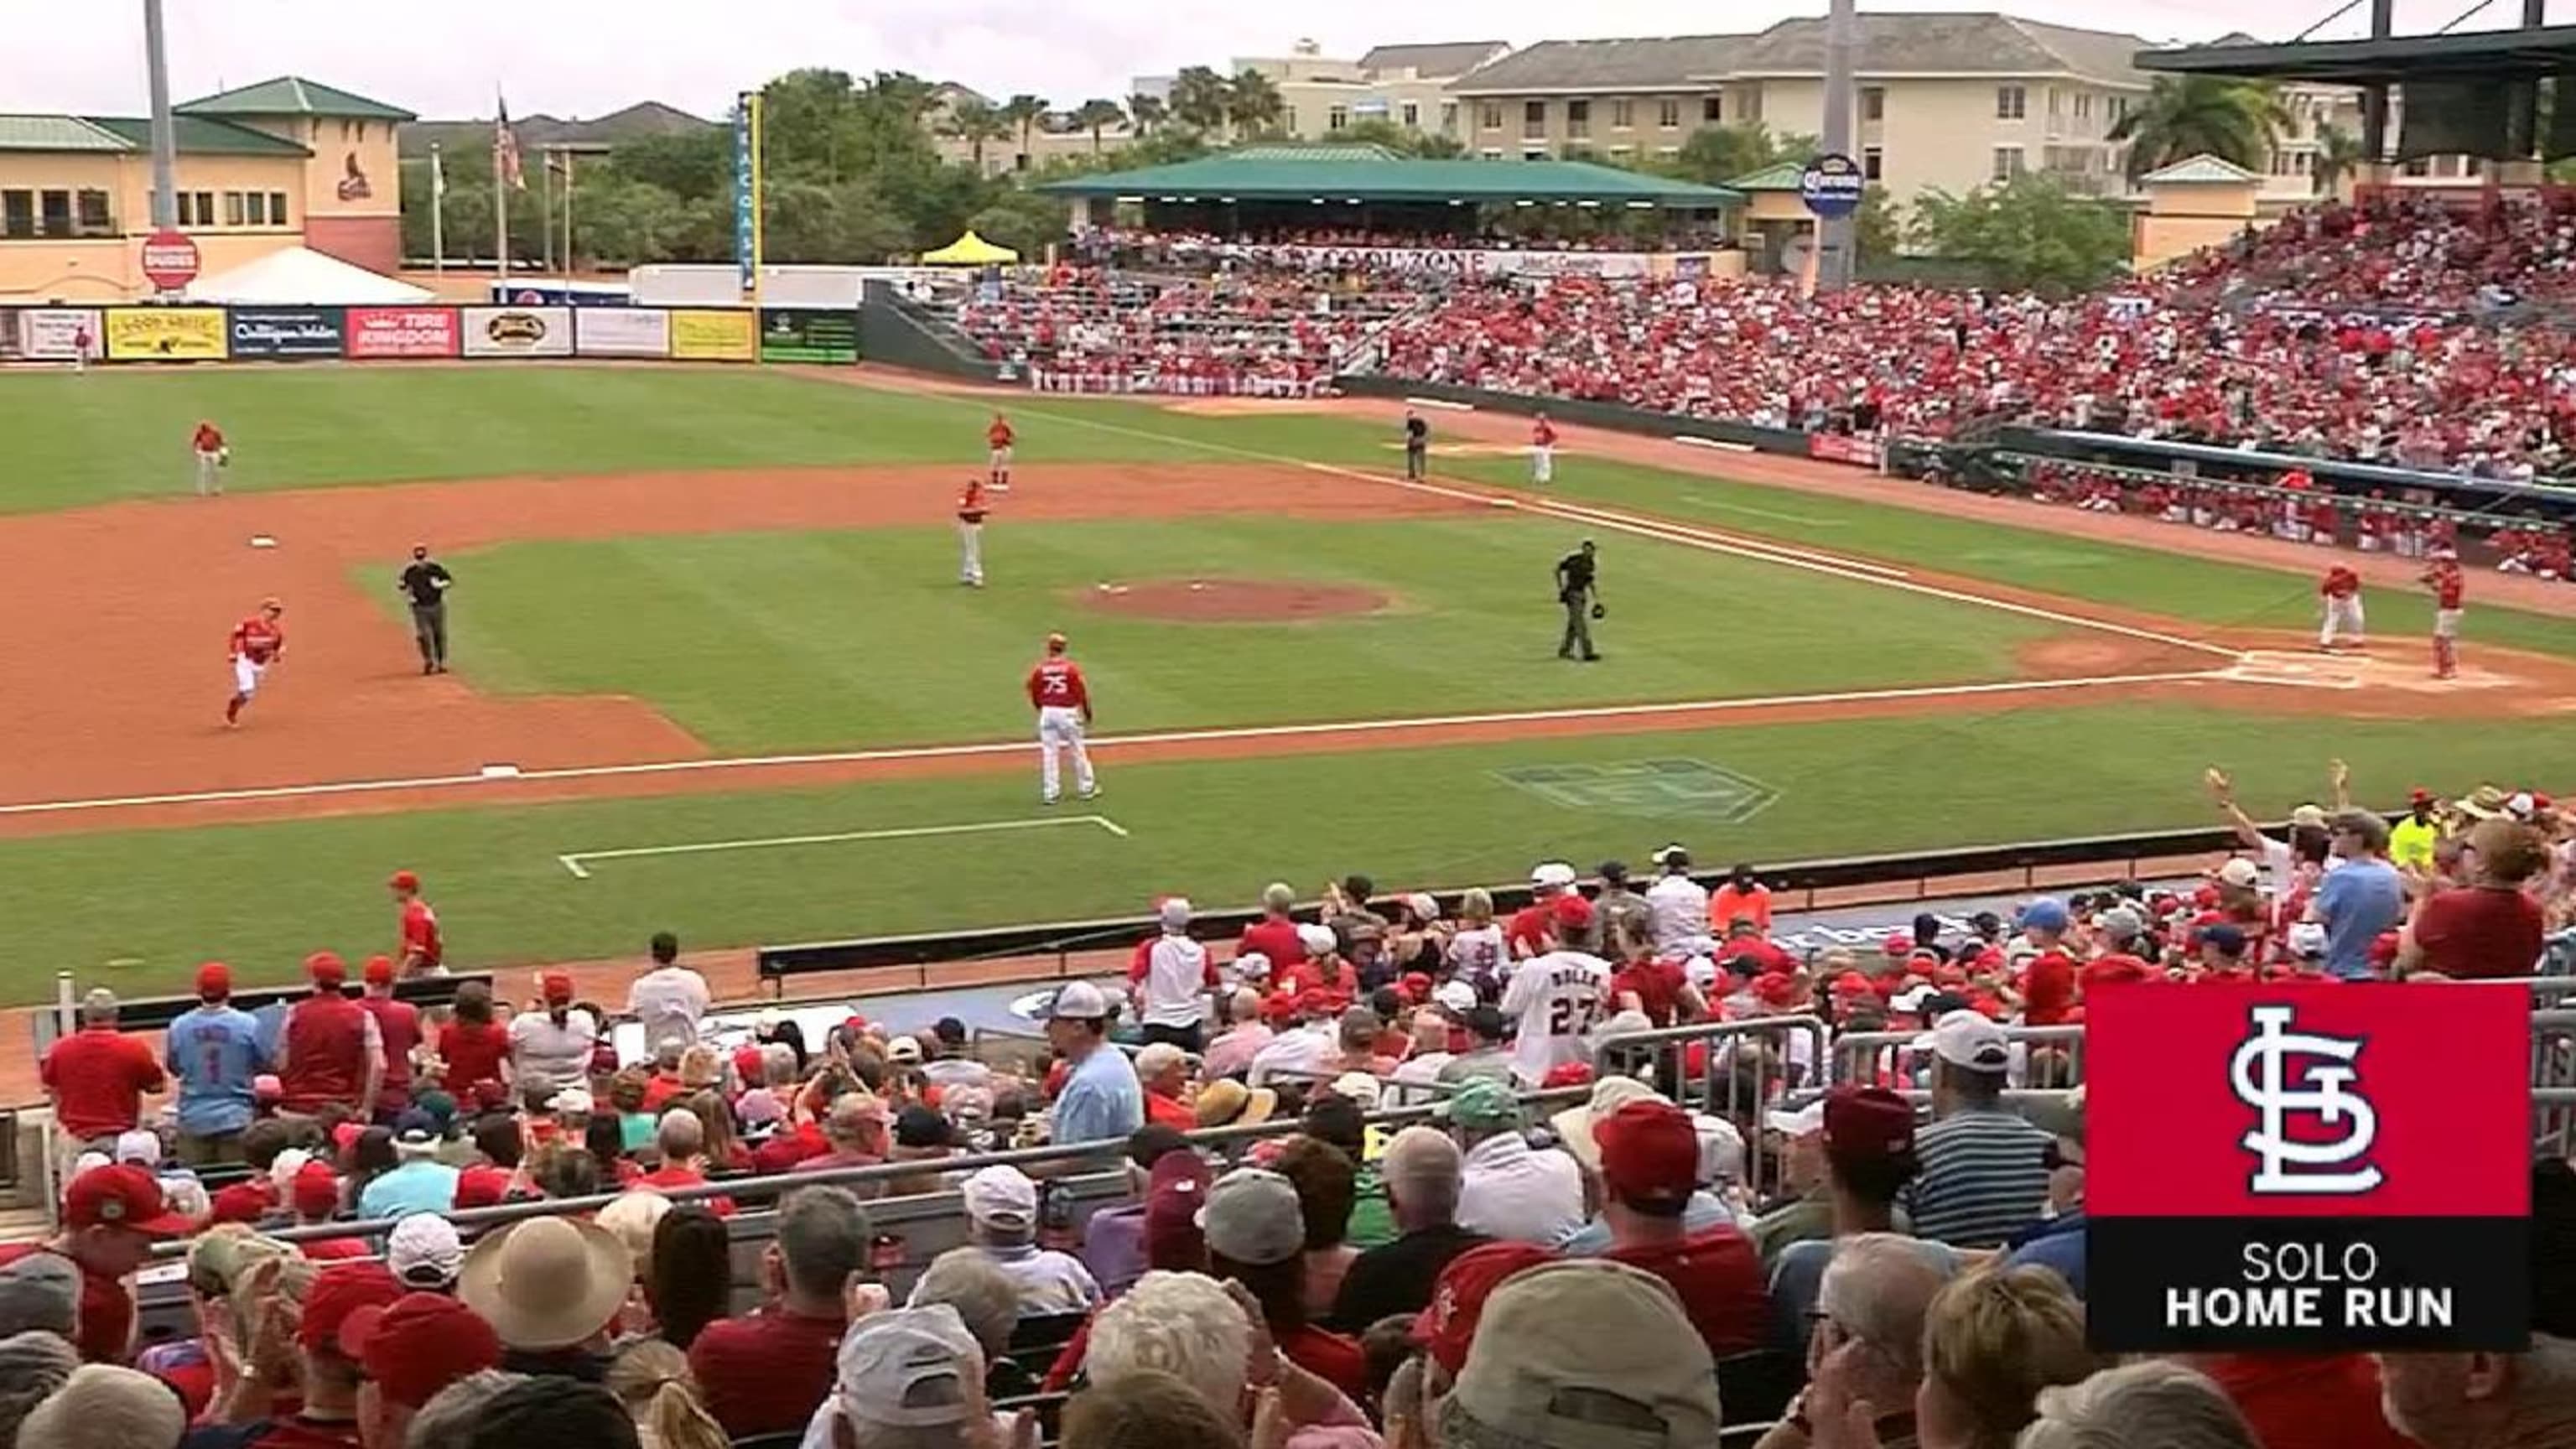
column 1555, row 1363
column 419, row 1182
column 552, row 1288
column 330, row 1051
column 1509, row 1189
column 111, row 1216
column 1102, row 1100
column 216, row 1054
column 1982, row 1179
column 552, row 1045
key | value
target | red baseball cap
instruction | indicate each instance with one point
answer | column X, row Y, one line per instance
column 1174, row 1197
column 1415, row 986
column 380, row 971
column 1649, row 1153
column 1897, row 944
column 315, row 1192
column 1568, row 1074
column 555, row 987
column 482, row 1185
column 418, row 1344
column 326, row 968
column 122, row 1196
column 1448, row 1325
column 1868, row 1122
column 1775, row 988
column 1852, row 983
column 1571, row 912
column 1279, row 1007
column 214, row 981
column 404, row 880
column 338, row 1292
column 747, row 1063
column 1314, row 1001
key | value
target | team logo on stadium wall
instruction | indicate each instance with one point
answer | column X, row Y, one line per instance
column 2315, row 1168
column 1647, row 787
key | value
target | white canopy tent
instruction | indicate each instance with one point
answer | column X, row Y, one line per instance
column 302, row 276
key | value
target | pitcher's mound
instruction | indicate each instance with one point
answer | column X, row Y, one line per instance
column 1231, row 601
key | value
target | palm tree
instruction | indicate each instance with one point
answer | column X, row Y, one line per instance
column 975, row 122
column 1146, row 112
column 1199, row 98
column 1096, row 116
column 2191, row 115
column 1252, row 103
column 1024, row 111
column 907, row 92
column 2339, row 155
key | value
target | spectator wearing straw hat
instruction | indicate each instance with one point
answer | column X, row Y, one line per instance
column 216, row 1053
column 552, row 1289
column 1101, row 1100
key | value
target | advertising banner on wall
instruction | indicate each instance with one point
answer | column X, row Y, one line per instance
column 165, row 334
column 402, row 332
column 799, row 334
column 518, row 331
column 287, row 331
column 53, row 334
column 1843, row 448
column 622, row 332
column 713, row 336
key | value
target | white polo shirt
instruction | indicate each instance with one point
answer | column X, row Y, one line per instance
column 1680, row 905
column 669, row 1002
column 1173, row 976
column 1508, row 1190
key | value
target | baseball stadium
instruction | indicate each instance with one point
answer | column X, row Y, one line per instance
column 1393, row 726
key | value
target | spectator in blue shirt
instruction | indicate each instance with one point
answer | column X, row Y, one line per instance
column 2359, row 899
column 1102, row 1100
column 216, row 1052
column 419, row 1182
column 2057, row 1240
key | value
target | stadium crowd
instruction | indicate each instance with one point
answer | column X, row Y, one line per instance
column 1072, row 329
column 1595, row 1269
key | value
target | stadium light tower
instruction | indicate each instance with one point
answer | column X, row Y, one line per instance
column 165, row 141
column 1834, row 235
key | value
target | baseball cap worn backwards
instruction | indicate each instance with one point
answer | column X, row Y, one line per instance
column 909, row 1368
column 1967, row 1039
column 1252, row 1216
column 1484, row 1105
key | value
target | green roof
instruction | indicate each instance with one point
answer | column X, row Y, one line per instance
column 292, row 96
column 1233, row 176
column 55, row 133
column 199, row 136
column 1778, row 176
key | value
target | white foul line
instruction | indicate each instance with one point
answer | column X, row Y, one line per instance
column 1111, row 743
column 575, row 861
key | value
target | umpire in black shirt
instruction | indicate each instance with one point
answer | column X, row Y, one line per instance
column 425, row 582
column 1417, row 444
column 1578, row 589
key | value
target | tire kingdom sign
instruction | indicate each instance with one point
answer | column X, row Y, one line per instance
column 170, row 260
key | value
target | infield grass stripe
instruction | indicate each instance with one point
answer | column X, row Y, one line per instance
column 578, row 862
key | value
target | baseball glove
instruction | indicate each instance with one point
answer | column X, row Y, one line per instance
column 1601, row 611
column 223, row 457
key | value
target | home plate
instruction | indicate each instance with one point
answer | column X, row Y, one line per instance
column 2309, row 671
column 500, row 772
column 261, row 540
column 1195, row 586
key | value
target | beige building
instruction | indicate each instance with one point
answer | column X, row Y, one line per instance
column 1952, row 101
column 284, row 163
column 1406, row 86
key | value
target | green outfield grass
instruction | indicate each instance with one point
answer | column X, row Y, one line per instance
column 764, row 642
column 1215, row 830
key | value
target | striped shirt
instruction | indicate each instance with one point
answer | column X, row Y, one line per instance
column 1982, row 1180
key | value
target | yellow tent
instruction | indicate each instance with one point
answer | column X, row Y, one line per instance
column 969, row 250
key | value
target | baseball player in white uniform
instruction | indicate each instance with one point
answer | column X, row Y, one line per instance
column 1064, row 712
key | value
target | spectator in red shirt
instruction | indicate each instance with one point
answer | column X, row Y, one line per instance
column 409, row 1351
column 1164, row 1071
column 682, row 1139
column 2304, row 1401
column 398, row 1023
column 1256, row 1236
column 1649, row 1169
column 96, row 1078
column 765, row 1372
column 2489, row 927
column 330, row 1052
column 474, row 1046
column 111, row 1217
column 1658, row 987
column 1274, row 936
column 314, row 1198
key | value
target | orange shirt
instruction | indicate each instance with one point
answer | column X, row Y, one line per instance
column 1057, row 684
column 1727, row 905
column 258, row 639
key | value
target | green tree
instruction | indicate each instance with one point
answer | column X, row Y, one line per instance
column 975, row 123
column 1096, row 116
column 1713, row 155
column 1024, row 111
column 1878, row 227
column 2191, row 115
column 688, row 163
column 1252, row 104
column 1024, row 221
column 2339, row 155
column 1147, row 112
column 1199, row 98
column 2030, row 233
column 630, row 223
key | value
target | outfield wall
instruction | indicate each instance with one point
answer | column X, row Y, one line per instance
column 428, row 332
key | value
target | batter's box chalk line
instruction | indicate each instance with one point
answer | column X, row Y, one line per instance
column 577, row 863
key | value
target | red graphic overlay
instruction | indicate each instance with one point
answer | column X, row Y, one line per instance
column 403, row 332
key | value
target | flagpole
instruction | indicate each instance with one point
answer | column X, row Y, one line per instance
column 500, row 218
column 437, row 211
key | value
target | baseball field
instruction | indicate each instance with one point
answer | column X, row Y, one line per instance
column 713, row 671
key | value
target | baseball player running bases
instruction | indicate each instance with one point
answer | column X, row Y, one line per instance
column 256, row 644
column 1063, row 704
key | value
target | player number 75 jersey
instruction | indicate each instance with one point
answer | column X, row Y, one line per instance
column 1057, row 684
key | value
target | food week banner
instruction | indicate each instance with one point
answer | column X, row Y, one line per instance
column 2311, row 1168
column 165, row 334
column 517, row 331
column 715, row 335
column 621, row 332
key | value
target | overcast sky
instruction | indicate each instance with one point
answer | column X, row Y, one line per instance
column 586, row 57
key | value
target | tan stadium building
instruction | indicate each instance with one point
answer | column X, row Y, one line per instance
column 284, row 163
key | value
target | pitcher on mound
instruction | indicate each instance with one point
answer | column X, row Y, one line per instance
column 1064, row 713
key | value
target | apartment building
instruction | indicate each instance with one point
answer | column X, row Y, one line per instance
column 1406, row 86
column 283, row 163
column 1952, row 101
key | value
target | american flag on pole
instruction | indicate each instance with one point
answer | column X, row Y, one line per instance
column 505, row 152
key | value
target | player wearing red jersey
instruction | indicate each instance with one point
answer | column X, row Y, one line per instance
column 997, row 441
column 423, row 953
column 1542, row 449
column 256, row 644
column 213, row 456
column 2449, row 587
column 971, row 509
column 1063, row 704
column 2340, row 590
